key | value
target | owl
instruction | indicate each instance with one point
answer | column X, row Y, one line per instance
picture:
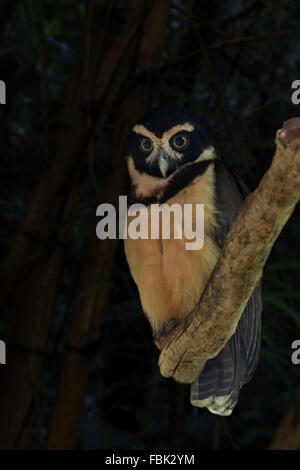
column 171, row 159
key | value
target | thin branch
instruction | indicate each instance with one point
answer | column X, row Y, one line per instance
column 246, row 39
column 224, row 43
column 39, row 35
column 205, row 331
column 262, row 14
column 265, row 105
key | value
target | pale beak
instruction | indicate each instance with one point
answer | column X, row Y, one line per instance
column 163, row 162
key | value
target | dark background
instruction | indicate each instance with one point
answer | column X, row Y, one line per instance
column 81, row 368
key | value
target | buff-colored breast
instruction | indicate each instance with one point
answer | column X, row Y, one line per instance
column 170, row 278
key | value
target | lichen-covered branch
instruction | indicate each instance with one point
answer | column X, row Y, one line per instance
column 204, row 332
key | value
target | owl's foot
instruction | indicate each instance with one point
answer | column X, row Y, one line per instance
column 168, row 326
column 160, row 335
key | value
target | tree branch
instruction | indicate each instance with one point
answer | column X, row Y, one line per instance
column 205, row 331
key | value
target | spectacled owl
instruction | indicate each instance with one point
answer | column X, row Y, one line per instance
column 171, row 159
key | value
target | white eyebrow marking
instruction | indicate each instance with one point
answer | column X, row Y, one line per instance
column 187, row 126
column 163, row 142
column 140, row 129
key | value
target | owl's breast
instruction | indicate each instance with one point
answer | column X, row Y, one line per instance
column 171, row 278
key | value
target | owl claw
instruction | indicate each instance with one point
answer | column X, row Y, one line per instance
column 159, row 336
column 168, row 326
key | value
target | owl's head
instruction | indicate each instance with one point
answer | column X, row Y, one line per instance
column 165, row 140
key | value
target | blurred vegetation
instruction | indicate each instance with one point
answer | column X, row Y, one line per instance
column 234, row 63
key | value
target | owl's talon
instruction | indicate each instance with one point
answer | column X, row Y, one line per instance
column 159, row 336
column 168, row 326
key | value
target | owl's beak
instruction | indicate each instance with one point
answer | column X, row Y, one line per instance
column 163, row 162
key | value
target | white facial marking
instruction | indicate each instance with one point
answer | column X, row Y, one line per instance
column 180, row 127
column 207, row 154
column 163, row 142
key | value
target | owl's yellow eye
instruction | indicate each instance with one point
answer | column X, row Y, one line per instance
column 146, row 145
column 180, row 141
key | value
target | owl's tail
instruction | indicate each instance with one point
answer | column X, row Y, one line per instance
column 218, row 386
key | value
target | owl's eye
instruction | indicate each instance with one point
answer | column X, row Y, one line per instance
column 180, row 141
column 146, row 145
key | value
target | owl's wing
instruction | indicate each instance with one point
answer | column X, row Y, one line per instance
column 219, row 384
